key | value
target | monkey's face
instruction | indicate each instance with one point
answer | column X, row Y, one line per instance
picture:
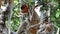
column 24, row 8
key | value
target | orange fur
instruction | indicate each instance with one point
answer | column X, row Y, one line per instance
column 24, row 8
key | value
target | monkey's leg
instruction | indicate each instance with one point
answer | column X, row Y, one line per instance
column 22, row 28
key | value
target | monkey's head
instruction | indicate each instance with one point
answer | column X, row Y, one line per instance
column 24, row 8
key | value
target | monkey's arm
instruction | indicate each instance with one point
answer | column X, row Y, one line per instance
column 22, row 28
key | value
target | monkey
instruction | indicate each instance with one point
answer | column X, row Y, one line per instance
column 46, row 28
column 22, row 27
column 24, row 8
column 34, row 22
column 33, row 30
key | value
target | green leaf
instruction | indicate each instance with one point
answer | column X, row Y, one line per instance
column 16, row 9
column 15, row 2
column 52, row 18
column 57, row 14
column 30, row 0
column 58, row 11
column 32, row 3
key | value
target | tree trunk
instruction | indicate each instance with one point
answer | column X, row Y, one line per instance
column 3, row 29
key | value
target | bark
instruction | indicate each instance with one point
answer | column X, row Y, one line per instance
column 4, row 11
column 3, row 29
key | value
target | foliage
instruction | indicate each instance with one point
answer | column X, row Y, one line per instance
column 15, row 21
